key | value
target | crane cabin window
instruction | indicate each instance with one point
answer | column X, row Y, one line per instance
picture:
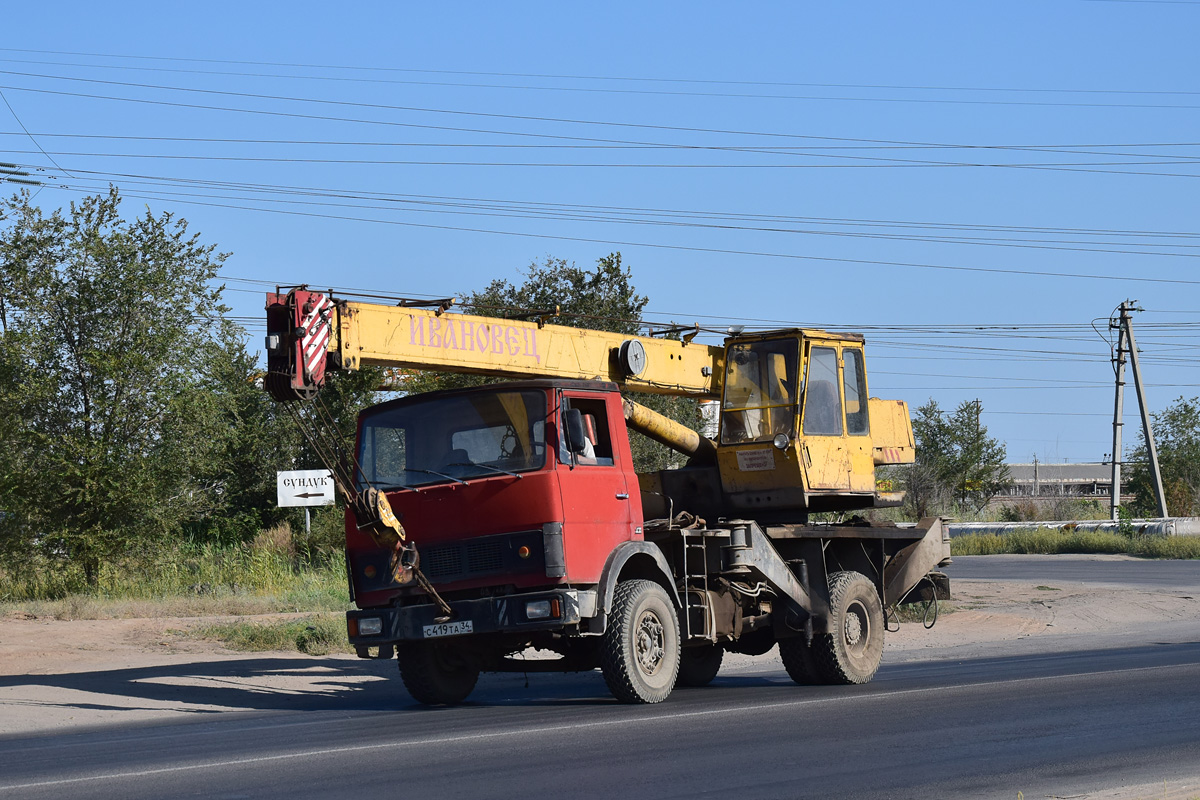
column 460, row 437
column 822, row 401
column 761, row 392
column 854, row 386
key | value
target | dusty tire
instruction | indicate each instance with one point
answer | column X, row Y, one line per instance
column 639, row 650
column 699, row 665
column 435, row 674
column 800, row 661
column 852, row 648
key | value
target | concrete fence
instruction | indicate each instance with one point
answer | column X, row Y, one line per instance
column 1166, row 526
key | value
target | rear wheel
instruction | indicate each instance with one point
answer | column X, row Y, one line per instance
column 699, row 665
column 640, row 645
column 436, row 673
column 852, row 648
column 800, row 661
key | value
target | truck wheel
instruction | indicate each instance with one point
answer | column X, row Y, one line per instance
column 435, row 674
column 699, row 665
column 800, row 661
column 851, row 649
column 639, row 651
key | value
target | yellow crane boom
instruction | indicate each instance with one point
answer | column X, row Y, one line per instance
column 370, row 333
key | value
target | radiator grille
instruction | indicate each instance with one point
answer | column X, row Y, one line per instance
column 487, row 556
column 484, row 556
column 439, row 562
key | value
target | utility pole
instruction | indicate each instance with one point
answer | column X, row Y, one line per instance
column 1126, row 344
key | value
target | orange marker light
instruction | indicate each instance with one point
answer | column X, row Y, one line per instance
column 523, row 551
column 369, row 571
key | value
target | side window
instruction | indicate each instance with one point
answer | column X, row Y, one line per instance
column 822, row 401
column 855, row 389
column 598, row 451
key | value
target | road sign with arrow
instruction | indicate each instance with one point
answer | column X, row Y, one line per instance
column 305, row 487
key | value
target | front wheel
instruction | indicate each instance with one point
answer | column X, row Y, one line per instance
column 640, row 645
column 436, row 673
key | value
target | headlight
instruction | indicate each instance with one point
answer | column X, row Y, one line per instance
column 781, row 441
column 370, row 626
column 538, row 609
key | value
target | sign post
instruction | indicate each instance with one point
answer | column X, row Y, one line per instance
column 307, row 488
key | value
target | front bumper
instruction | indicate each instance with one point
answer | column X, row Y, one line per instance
column 487, row 615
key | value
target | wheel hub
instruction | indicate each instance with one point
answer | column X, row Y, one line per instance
column 853, row 627
column 649, row 644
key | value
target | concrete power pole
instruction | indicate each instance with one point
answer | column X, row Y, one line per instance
column 1126, row 344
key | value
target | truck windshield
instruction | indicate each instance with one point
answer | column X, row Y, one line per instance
column 760, row 391
column 456, row 438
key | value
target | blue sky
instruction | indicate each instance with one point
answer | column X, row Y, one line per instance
column 906, row 170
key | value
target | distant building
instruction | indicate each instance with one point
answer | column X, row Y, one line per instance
column 1090, row 480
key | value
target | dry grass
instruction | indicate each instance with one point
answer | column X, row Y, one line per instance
column 316, row 635
column 278, row 541
column 1046, row 541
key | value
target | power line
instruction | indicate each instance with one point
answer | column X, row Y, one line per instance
column 642, row 79
column 12, row 111
column 723, row 251
column 476, row 202
column 912, row 163
column 436, row 111
column 1072, row 149
column 891, row 163
column 632, row 218
column 686, row 248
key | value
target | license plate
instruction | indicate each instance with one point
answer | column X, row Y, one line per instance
column 448, row 629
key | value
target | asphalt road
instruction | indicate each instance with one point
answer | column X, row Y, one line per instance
column 1046, row 724
column 1141, row 573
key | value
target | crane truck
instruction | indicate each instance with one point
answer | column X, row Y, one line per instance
column 485, row 521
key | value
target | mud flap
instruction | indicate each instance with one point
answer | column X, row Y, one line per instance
column 910, row 566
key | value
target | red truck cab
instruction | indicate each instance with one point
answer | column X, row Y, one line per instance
column 485, row 484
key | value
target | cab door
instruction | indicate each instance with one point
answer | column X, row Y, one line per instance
column 858, row 424
column 823, row 425
column 598, row 507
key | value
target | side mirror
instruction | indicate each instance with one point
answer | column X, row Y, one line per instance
column 573, row 422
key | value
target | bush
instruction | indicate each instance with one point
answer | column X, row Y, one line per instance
column 265, row 567
column 1060, row 508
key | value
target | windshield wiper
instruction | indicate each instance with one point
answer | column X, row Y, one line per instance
column 439, row 474
column 492, row 467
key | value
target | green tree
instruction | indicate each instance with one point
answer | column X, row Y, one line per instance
column 602, row 298
column 106, row 330
column 1177, row 440
column 259, row 437
column 977, row 466
column 958, row 465
column 923, row 479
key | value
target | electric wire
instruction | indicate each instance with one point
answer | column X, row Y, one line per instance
column 631, row 79
column 1042, row 244
column 685, row 248
column 509, row 117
